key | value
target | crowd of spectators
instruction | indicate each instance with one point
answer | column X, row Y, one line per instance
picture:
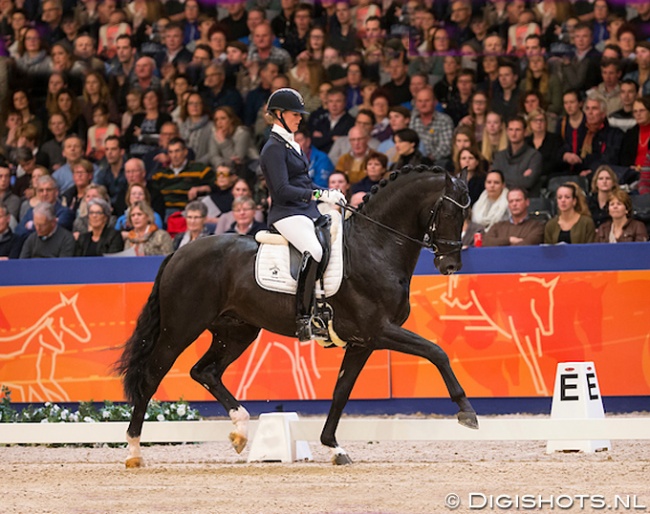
column 136, row 126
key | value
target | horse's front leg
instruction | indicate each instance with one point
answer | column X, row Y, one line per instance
column 354, row 360
column 401, row 340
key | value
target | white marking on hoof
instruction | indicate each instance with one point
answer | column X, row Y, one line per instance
column 135, row 455
column 340, row 456
column 239, row 437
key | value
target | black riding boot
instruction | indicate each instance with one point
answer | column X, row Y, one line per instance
column 305, row 297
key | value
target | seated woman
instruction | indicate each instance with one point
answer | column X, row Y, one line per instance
column 463, row 137
column 471, row 159
column 194, row 213
column 135, row 193
column 603, row 183
column 573, row 223
column 492, row 206
column 375, row 165
column 406, row 148
column 494, row 136
column 82, row 175
column 547, row 143
column 80, row 225
column 244, row 209
column 146, row 238
column 231, row 142
column 622, row 228
column 225, row 221
column 195, row 126
column 100, row 239
column 636, row 142
column 144, row 130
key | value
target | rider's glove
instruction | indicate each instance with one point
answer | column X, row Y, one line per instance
column 331, row 196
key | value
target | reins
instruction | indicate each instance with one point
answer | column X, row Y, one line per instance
column 430, row 245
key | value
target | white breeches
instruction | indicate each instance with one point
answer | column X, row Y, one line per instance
column 299, row 231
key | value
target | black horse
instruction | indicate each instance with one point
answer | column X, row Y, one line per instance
column 210, row 284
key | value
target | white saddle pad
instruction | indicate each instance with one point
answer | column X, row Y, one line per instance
column 272, row 265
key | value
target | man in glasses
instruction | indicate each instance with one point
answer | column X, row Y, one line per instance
column 47, row 192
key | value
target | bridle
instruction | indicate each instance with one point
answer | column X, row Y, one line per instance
column 428, row 241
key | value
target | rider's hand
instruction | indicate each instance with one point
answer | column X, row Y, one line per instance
column 331, row 196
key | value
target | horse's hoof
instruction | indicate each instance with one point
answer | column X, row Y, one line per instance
column 468, row 419
column 238, row 441
column 341, row 459
column 134, row 462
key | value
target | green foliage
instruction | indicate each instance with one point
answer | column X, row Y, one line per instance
column 88, row 413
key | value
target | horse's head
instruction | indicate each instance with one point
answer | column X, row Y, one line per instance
column 446, row 225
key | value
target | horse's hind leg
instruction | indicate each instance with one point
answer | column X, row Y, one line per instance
column 228, row 342
column 151, row 372
column 354, row 360
column 401, row 340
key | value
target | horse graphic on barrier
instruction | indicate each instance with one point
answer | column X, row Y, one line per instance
column 46, row 340
column 302, row 357
column 521, row 312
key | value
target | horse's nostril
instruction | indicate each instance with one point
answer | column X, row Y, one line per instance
column 450, row 269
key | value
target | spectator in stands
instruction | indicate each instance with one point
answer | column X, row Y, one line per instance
column 602, row 184
column 433, row 128
column 68, row 105
column 29, row 197
column 243, row 209
column 95, row 93
column 21, row 105
column 642, row 75
column 295, row 40
column 494, row 136
column 48, row 239
column 548, row 144
column 492, row 205
column 258, row 97
column 136, row 192
column 470, row 158
column 82, row 176
column 85, row 53
column 407, row 142
column 352, row 162
column 337, row 122
column 602, row 144
column 33, row 62
column 146, row 238
column 477, row 113
column 463, row 138
column 537, row 77
column 380, row 104
column 573, row 223
column 444, row 88
column 622, row 228
column 142, row 135
column 195, row 213
column 519, row 229
column 73, row 151
column 505, row 100
column 111, row 167
column 217, row 94
column 144, row 77
column 80, row 225
column 365, row 120
column 636, row 142
column 227, row 218
column 10, row 201
column 399, row 118
column 375, row 166
column 623, row 118
column 100, row 239
column 581, row 70
column 195, row 127
column 10, row 243
column 610, row 87
column 98, row 132
column 343, row 35
column 176, row 183
column 520, row 163
column 231, row 143
column 51, row 152
column 320, row 165
column 263, row 49
column 398, row 88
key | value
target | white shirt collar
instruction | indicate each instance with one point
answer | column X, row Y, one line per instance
column 287, row 136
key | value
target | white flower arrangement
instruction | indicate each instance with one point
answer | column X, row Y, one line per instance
column 87, row 413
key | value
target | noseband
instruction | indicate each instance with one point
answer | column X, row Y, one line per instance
column 428, row 238
column 455, row 244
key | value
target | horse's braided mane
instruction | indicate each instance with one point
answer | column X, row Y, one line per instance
column 420, row 168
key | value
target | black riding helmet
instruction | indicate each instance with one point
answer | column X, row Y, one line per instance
column 286, row 99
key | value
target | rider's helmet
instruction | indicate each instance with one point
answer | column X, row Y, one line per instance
column 286, row 99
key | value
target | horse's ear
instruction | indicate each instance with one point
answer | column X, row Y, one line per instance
column 463, row 174
column 68, row 301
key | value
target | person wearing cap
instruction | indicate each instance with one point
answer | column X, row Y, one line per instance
column 293, row 197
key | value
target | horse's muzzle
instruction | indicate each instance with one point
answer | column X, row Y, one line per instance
column 447, row 265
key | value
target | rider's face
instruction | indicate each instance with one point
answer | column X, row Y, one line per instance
column 292, row 119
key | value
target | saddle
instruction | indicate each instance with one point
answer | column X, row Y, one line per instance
column 277, row 264
column 277, row 261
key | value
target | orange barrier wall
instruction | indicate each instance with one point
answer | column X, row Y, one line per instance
column 504, row 334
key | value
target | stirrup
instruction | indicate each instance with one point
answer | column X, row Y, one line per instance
column 311, row 328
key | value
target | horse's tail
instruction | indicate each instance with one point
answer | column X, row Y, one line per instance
column 133, row 365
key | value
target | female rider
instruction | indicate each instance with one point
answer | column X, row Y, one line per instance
column 293, row 197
